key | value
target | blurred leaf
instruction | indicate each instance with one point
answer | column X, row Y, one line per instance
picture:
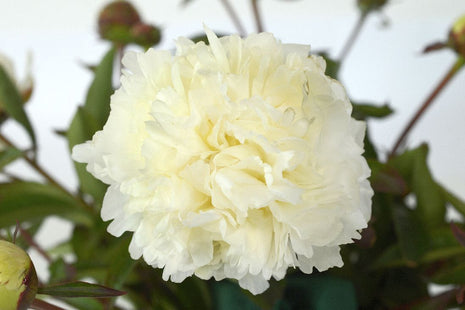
column 24, row 201
column 58, row 271
column 229, row 296
column 458, row 233
column 82, row 129
column 320, row 292
column 413, row 167
column 191, row 293
column 9, row 155
column 120, row 262
column 450, row 274
column 413, row 237
column 84, row 303
column 458, row 204
column 385, row 179
column 11, row 102
column 79, row 289
column 363, row 111
column 98, row 97
column 203, row 37
column 332, row 66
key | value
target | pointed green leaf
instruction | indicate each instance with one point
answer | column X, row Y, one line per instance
column 79, row 289
column 11, row 102
column 25, row 201
column 82, row 128
column 98, row 97
column 9, row 155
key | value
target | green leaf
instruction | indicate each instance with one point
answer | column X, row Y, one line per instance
column 120, row 263
column 451, row 274
column 79, row 289
column 458, row 204
column 458, row 234
column 84, row 303
column 363, row 111
column 11, row 102
column 413, row 167
column 82, row 128
column 98, row 97
column 228, row 296
column 25, row 201
column 413, row 237
column 332, row 66
column 385, row 179
column 320, row 292
column 9, row 155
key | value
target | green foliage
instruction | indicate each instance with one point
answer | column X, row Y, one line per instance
column 11, row 102
column 79, row 289
column 9, row 155
column 26, row 201
column 90, row 118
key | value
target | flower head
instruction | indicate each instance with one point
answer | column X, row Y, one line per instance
column 236, row 159
column 18, row 279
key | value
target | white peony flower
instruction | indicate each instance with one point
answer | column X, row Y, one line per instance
column 233, row 160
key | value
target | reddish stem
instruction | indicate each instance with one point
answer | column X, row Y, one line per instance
column 413, row 121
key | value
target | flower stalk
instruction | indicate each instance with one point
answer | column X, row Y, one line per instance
column 459, row 63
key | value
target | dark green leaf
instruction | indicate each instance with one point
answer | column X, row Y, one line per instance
column 11, row 102
column 332, row 66
column 120, row 263
column 413, row 167
column 228, row 296
column 24, row 201
column 385, row 179
column 203, row 38
column 82, row 129
column 451, row 274
column 413, row 237
column 320, row 292
column 98, row 97
column 363, row 111
column 9, row 155
column 79, row 289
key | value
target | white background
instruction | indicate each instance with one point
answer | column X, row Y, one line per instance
column 386, row 65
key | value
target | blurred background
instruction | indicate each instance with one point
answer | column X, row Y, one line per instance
column 386, row 65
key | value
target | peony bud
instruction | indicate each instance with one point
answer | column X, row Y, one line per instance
column 457, row 36
column 18, row 279
column 370, row 5
column 145, row 35
column 116, row 20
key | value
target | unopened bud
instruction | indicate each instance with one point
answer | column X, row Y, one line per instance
column 457, row 36
column 145, row 35
column 115, row 21
column 18, row 279
column 370, row 5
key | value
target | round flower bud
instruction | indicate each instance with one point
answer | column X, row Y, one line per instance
column 457, row 36
column 18, row 279
column 370, row 5
column 145, row 35
column 237, row 159
column 115, row 21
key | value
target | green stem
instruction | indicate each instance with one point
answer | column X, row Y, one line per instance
column 353, row 37
column 234, row 17
column 256, row 13
column 459, row 63
column 47, row 176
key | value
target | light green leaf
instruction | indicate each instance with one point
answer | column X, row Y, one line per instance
column 29, row 201
column 11, row 102
column 458, row 204
column 9, row 155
